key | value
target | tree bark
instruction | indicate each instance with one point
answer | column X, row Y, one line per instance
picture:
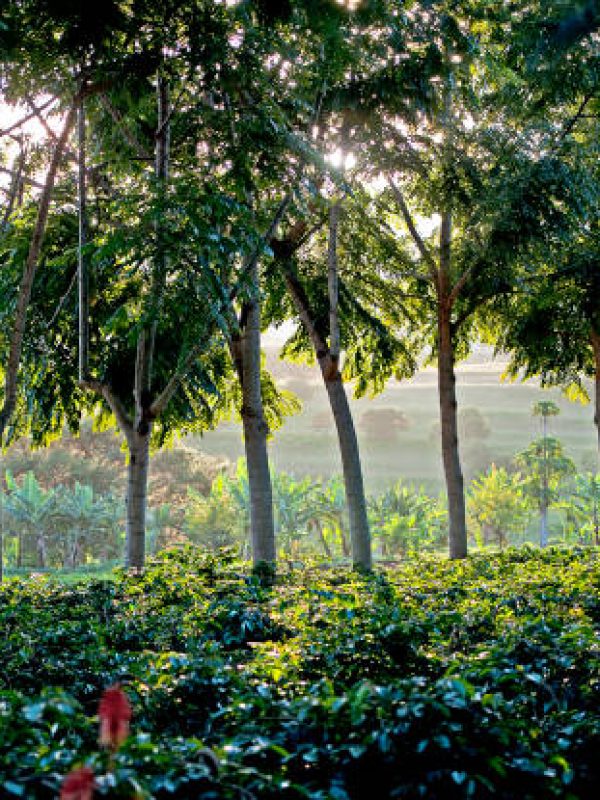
column 595, row 336
column 457, row 534
column 29, row 270
column 247, row 358
column 333, row 281
column 41, row 551
column 15, row 189
column 316, row 523
column 544, row 524
column 137, row 498
column 360, row 536
column 82, row 270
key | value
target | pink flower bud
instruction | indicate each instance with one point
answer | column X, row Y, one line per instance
column 78, row 785
column 114, row 712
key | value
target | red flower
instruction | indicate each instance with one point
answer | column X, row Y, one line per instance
column 78, row 785
column 114, row 712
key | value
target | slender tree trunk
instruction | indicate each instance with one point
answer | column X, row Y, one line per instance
column 319, row 530
column 457, row 535
column 137, row 498
column 138, row 438
column 333, row 282
column 27, row 278
column 360, row 536
column 262, row 526
column 344, row 543
column 41, row 551
column 595, row 336
column 16, row 184
column 82, row 271
column 544, row 524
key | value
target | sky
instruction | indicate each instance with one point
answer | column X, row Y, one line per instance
column 32, row 129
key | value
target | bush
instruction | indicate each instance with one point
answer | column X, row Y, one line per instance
column 443, row 679
column 381, row 424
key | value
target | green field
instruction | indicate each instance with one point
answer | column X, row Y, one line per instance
column 414, row 455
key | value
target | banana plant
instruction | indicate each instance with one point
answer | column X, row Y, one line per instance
column 89, row 523
column 582, row 506
column 159, row 519
column 31, row 512
column 407, row 520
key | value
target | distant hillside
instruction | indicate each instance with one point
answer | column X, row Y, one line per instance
column 410, row 450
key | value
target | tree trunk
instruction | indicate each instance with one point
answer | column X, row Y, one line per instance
column 262, row 526
column 544, row 524
column 27, row 278
column 457, row 535
column 82, row 271
column 137, row 491
column 138, row 436
column 321, row 536
column 595, row 336
column 41, row 551
column 360, row 537
column 16, row 184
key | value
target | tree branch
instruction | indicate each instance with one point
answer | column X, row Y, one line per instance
column 29, row 271
column 27, row 117
column 24, row 178
column 124, row 421
column 50, row 133
column 422, row 247
column 459, row 286
column 127, row 135
column 570, row 124
column 172, row 385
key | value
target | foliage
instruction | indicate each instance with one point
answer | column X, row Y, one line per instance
column 64, row 526
column 407, row 520
column 445, row 680
column 545, row 466
column 498, row 506
column 309, row 514
column 581, row 507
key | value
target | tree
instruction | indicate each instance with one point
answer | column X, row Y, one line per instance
column 582, row 506
column 170, row 258
column 498, row 506
column 32, row 511
column 550, row 324
column 551, row 327
column 86, row 524
column 466, row 190
column 544, row 467
column 407, row 521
